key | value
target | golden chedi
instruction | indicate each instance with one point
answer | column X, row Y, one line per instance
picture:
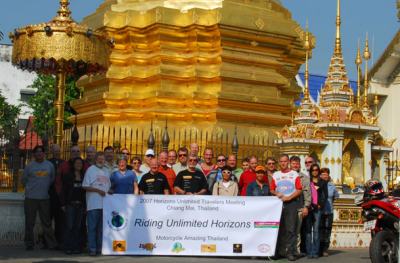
column 205, row 64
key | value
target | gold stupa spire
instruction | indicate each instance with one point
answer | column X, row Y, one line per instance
column 338, row 40
column 367, row 56
column 306, row 113
column 358, row 63
column 336, row 90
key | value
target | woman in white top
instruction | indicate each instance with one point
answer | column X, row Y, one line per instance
column 226, row 187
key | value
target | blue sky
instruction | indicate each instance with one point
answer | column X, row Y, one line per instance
column 377, row 17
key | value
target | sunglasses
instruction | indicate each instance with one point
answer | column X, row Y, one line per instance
column 226, row 172
column 221, row 160
column 309, row 162
column 270, row 163
column 182, row 155
column 150, row 155
column 125, row 153
column 135, row 162
column 192, row 161
column 315, row 170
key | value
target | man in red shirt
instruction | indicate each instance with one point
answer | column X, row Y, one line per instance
column 249, row 176
column 167, row 171
column 286, row 185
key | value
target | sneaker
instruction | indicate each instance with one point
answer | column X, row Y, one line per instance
column 301, row 255
column 325, row 254
column 291, row 258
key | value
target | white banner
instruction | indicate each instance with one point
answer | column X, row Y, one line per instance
column 190, row 225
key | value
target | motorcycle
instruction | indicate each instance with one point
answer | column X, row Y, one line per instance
column 381, row 215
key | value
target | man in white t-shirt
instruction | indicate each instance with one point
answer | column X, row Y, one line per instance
column 96, row 183
column 286, row 185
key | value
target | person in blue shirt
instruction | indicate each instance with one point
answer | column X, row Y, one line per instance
column 259, row 187
column 123, row 181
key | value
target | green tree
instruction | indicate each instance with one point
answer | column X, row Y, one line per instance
column 8, row 118
column 43, row 102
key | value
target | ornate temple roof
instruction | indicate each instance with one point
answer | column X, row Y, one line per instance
column 336, row 90
column 316, row 83
column 335, row 106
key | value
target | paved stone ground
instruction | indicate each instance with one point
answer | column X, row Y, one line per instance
column 12, row 254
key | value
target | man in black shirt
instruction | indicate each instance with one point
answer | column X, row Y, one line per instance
column 191, row 181
column 154, row 182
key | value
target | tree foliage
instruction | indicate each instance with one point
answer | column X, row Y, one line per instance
column 8, row 118
column 43, row 102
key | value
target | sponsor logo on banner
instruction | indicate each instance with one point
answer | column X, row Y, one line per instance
column 148, row 246
column 263, row 248
column 119, row 245
column 117, row 222
column 208, row 248
column 237, row 248
column 177, row 247
column 263, row 224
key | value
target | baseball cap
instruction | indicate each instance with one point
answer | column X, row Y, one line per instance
column 149, row 152
column 260, row 168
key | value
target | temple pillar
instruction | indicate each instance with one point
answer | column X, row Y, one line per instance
column 332, row 155
column 367, row 157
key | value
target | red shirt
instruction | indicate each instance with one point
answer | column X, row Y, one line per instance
column 286, row 183
column 170, row 174
column 247, row 178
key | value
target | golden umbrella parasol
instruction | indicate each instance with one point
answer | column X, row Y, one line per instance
column 60, row 47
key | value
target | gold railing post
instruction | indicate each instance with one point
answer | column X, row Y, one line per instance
column 59, row 105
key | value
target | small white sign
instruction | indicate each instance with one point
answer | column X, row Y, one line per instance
column 369, row 225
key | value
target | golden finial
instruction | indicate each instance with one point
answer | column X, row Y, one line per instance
column 338, row 41
column 64, row 14
column 358, row 63
column 367, row 56
column 307, row 46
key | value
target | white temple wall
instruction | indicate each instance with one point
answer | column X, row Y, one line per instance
column 389, row 121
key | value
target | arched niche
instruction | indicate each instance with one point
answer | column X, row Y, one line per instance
column 353, row 163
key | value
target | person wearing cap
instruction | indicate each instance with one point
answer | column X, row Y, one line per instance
column 260, row 186
column 148, row 156
column 226, row 187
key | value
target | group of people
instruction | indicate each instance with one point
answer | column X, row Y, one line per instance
column 71, row 192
